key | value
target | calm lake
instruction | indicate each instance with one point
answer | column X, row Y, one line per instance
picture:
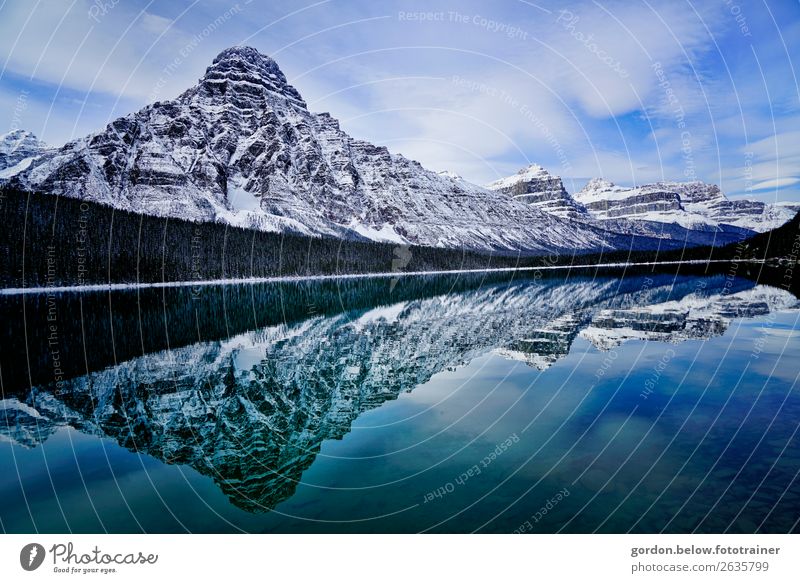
column 492, row 403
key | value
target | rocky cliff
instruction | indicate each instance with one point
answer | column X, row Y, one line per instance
column 537, row 187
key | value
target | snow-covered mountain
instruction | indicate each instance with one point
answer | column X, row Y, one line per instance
column 242, row 147
column 537, row 187
column 605, row 200
column 654, row 211
column 252, row 410
column 18, row 148
column 693, row 205
column 695, row 212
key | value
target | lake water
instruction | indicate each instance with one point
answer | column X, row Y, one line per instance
column 495, row 403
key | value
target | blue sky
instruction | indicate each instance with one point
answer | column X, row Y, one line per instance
column 630, row 91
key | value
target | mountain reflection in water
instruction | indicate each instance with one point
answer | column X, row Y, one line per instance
column 245, row 383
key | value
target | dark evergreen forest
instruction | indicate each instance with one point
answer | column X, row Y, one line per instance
column 51, row 241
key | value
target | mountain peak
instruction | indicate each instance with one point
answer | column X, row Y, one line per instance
column 598, row 184
column 450, row 174
column 16, row 146
column 526, row 174
column 13, row 134
column 242, row 52
column 532, row 170
column 535, row 186
column 16, row 138
column 245, row 65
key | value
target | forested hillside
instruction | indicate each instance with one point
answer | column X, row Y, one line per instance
column 52, row 241
column 49, row 240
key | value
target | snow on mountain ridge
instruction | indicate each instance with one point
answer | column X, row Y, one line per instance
column 652, row 202
column 532, row 171
column 693, row 206
column 652, row 211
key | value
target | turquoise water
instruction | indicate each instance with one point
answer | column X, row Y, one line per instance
column 651, row 403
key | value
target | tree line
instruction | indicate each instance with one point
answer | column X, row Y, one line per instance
column 56, row 241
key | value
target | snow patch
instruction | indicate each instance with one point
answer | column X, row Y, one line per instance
column 17, row 168
column 385, row 234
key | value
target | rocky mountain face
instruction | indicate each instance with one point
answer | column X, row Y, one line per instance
column 606, row 200
column 537, row 187
column 17, row 150
column 693, row 205
column 653, row 211
column 708, row 200
column 695, row 212
column 241, row 147
column 252, row 410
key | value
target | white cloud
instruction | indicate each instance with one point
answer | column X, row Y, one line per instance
column 155, row 24
column 775, row 183
column 777, row 145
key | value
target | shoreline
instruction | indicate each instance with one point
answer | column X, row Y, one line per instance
column 295, row 278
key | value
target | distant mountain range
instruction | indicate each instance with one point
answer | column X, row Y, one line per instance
column 240, row 147
column 695, row 212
